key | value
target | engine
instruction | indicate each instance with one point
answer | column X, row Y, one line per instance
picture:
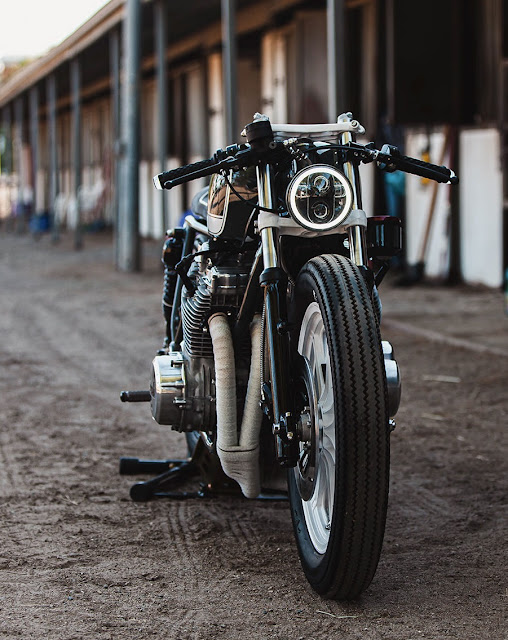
column 182, row 386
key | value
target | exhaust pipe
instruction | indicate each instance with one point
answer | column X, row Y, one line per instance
column 239, row 455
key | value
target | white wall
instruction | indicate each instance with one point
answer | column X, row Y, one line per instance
column 215, row 103
column 418, row 200
column 174, row 198
column 249, row 99
column 197, row 115
column 481, row 204
column 150, row 203
column 313, row 88
column 481, row 207
column 146, row 222
column 274, row 99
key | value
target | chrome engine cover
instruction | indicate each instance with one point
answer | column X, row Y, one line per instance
column 167, row 388
column 182, row 392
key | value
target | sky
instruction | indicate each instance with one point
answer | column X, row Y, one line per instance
column 29, row 28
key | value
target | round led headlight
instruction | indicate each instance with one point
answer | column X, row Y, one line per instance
column 319, row 197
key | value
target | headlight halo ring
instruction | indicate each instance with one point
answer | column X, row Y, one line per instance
column 316, row 188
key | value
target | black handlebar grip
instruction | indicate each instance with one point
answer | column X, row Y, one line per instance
column 425, row 169
column 161, row 179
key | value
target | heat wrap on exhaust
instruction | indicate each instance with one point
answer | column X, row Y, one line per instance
column 239, row 454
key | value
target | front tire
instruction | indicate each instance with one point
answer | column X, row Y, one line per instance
column 339, row 489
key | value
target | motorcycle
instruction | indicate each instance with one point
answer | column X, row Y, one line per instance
column 273, row 366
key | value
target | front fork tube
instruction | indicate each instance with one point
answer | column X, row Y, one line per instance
column 356, row 233
column 357, row 246
column 274, row 281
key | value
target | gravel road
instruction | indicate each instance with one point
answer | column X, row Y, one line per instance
column 80, row 560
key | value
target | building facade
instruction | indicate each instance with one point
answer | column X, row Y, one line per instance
column 431, row 77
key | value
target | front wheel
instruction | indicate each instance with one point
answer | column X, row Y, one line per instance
column 339, row 489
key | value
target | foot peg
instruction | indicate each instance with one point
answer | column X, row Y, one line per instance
column 135, row 396
column 135, row 466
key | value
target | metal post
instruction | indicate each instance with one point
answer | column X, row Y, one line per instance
column 53, row 153
column 336, row 58
column 6, row 166
column 160, row 19
column 34, row 141
column 229, row 69
column 114, row 64
column 130, row 245
column 18, row 116
column 76, row 152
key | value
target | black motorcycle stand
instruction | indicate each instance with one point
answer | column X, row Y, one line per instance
column 169, row 472
column 173, row 472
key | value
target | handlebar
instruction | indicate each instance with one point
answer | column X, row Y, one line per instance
column 241, row 155
column 173, row 175
column 387, row 159
column 427, row 170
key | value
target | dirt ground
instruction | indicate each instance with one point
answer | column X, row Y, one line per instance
column 79, row 559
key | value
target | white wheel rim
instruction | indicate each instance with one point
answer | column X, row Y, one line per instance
column 318, row 507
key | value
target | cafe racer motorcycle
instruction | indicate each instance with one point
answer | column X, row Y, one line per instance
column 273, row 365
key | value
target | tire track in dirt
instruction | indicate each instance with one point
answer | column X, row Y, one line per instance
column 176, row 531
column 76, row 345
column 226, row 520
column 78, row 374
column 9, row 478
column 423, row 504
column 81, row 327
column 440, row 338
column 15, row 375
column 190, row 586
column 221, row 568
column 211, row 541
